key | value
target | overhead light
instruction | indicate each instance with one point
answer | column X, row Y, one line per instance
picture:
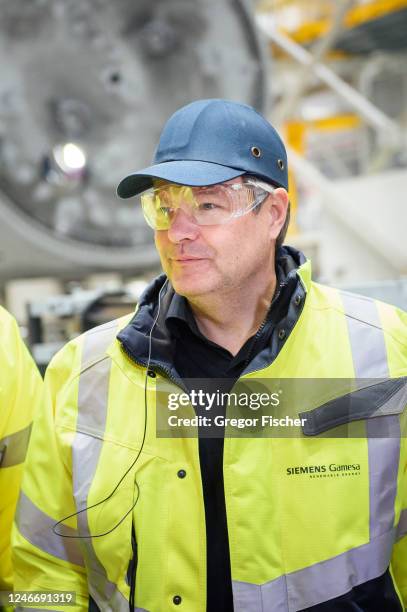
column 69, row 157
column 65, row 166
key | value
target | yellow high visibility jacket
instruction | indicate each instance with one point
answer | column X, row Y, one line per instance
column 20, row 390
column 295, row 541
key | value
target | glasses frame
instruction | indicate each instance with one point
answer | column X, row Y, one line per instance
column 265, row 189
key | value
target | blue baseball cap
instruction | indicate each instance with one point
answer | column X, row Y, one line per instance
column 209, row 142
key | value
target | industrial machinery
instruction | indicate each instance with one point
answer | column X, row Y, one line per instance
column 85, row 90
column 57, row 319
column 341, row 99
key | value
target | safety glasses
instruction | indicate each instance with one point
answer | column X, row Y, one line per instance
column 209, row 205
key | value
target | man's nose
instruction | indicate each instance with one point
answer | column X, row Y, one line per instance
column 183, row 227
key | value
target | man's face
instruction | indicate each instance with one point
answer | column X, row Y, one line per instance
column 204, row 259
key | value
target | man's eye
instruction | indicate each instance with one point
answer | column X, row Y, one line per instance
column 208, row 206
column 165, row 210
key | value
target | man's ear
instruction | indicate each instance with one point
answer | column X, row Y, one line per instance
column 278, row 202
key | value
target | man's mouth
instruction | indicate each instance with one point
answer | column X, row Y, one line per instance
column 184, row 258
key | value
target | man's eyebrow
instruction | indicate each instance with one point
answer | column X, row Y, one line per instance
column 206, row 187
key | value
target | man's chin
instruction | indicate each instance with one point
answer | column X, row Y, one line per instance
column 187, row 289
column 192, row 287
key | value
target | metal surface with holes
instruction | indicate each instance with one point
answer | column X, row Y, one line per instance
column 105, row 76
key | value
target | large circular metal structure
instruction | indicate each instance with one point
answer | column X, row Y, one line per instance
column 86, row 88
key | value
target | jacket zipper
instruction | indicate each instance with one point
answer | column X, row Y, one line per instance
column 158, row 369
column 263, row 325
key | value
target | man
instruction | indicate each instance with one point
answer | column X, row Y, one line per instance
column 211, row 524
column 20, row 390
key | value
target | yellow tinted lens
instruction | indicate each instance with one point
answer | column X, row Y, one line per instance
column 155, row 212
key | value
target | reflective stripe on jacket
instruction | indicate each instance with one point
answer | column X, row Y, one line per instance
column 20, row 388
column 295, row 541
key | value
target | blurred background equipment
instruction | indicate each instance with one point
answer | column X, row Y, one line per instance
column 340, row 97
column 85, row 90
column 54, row 321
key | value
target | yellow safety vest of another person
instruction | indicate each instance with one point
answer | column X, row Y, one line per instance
column 295, row 541
column 20, row 391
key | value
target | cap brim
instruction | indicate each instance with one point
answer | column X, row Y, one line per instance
column 183, row 172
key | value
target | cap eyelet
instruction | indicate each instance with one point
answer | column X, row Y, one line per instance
column 256, row 152
column 280, row 164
